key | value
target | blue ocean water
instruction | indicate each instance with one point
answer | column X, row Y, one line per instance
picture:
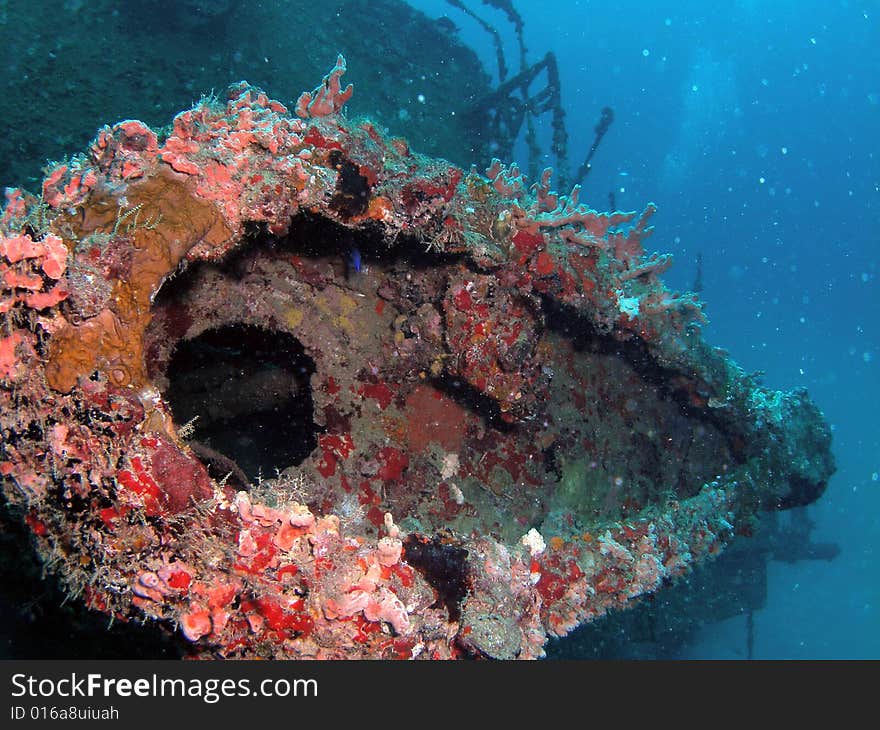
column 754, row 127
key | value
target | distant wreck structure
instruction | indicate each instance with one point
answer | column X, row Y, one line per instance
column 281, row 384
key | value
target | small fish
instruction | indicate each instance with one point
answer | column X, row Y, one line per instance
column 354, row 259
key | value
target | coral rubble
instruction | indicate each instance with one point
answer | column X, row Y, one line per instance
column 490, row 420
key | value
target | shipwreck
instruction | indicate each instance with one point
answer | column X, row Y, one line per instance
column 277, row 382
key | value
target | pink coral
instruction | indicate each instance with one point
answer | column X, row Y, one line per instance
column 328, row 98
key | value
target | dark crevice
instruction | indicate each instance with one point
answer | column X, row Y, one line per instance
column 585, row 337
column 472, row 400
column 443, row 564
column 801, row 492
column 250, row 389
column 352, row 195
column 313, row 236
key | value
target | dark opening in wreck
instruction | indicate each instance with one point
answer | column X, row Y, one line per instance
column 247, row 392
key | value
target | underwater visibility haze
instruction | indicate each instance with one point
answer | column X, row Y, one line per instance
column 440, row 329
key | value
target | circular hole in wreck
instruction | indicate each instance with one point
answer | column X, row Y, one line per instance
column 360, row 372
column 247, row 393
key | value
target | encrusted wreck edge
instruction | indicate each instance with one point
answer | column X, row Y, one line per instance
column 132, row 522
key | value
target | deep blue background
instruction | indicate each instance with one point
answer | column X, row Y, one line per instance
column 754, row 126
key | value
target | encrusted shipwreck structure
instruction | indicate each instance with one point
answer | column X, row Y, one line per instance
column 283, row 384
